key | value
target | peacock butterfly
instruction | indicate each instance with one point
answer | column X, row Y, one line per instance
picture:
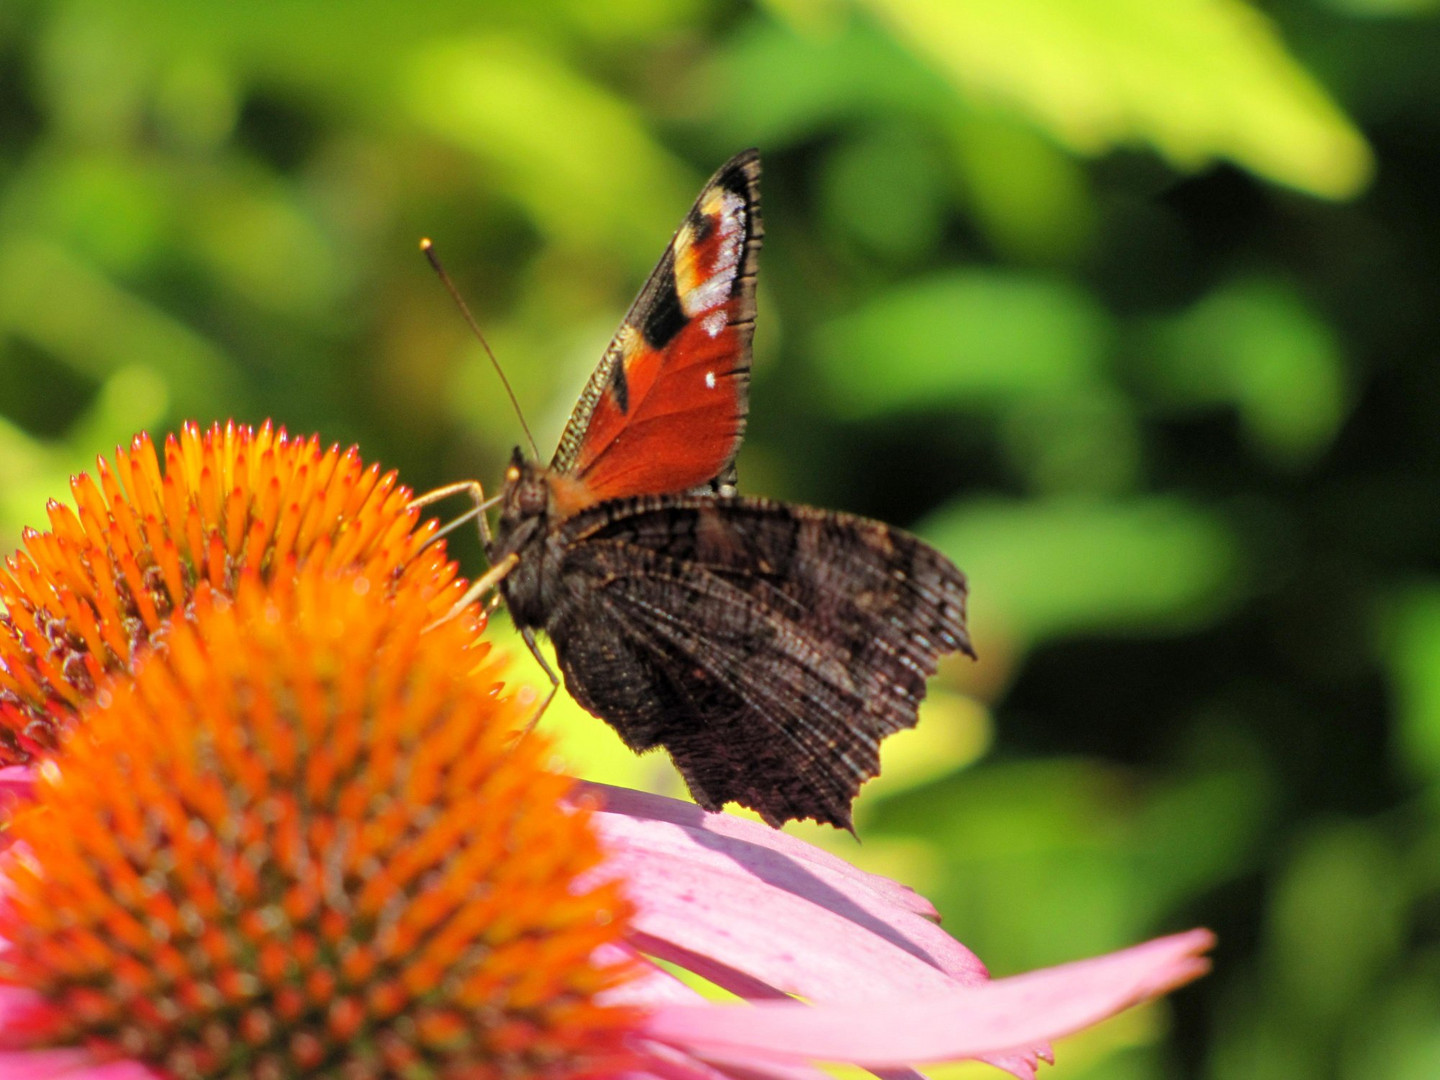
column 768, row 647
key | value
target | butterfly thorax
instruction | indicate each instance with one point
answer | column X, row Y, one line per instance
column 533, row 500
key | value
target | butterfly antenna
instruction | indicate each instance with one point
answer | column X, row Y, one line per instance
column 429, row 249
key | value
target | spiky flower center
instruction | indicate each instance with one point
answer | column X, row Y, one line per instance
column 304, row 842
column 98, row 590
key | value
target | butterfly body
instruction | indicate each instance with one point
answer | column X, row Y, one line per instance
column 768, row 647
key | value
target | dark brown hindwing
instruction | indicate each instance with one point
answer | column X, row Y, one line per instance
column 768, row 647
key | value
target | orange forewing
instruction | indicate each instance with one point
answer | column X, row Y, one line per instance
column 684, row 421
column 665, row 410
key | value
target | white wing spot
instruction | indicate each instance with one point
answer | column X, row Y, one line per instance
column 715, row 288
column 710, row 379
column 713, row 323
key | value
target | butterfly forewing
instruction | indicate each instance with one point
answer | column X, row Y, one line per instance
column 665, row 409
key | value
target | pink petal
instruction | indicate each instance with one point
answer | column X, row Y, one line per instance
column 745, row 886
column 17, row 785
column 704, row 885
column 961, row 1023
column 642, row 805
column 67, row 1065
column 670, row 1063
column 649, row 988
column 16, row 1003
column 17, row 781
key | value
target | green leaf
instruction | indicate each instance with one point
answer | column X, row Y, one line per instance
column 1196, row 79
column 99, row 328
column 784, row 84
column 1411, row 629
column 1256, row 345
column 887, row 190
column 1342, row 887
column 964, row 337
column 578, row 158
column 1027, row 194
column 1069, row 566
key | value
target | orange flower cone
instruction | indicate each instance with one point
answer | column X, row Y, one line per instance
column 97, row 591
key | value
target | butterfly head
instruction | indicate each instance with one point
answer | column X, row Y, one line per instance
column 533, row 500
column 526, row 493
column 525, row 503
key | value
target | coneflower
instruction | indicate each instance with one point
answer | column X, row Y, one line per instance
column 303, row 839
column 92, row 594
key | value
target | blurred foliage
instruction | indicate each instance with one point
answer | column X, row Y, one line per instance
column 1112, row 300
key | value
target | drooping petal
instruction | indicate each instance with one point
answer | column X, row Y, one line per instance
column 679, row 852
column 656, row 846
column 647, row 987
column 962, row 1023
column 703, row 906
column 645, row 806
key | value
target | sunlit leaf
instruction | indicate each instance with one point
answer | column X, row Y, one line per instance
column 1197, row 79
column 576, row 156
column 785, row 82
column 781, row 85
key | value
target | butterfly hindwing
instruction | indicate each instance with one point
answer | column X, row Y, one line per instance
column 665, row 409
column 768, row 647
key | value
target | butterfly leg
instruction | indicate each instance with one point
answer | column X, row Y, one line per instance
column 528, row 635
column 476, row 511
column 483, row 584
column 479, row 504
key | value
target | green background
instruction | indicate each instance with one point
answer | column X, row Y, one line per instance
column 1129, row 306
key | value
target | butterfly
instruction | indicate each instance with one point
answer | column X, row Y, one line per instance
column 768, row 647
